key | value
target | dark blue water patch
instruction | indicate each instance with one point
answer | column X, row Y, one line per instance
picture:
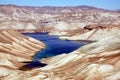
column 54, row 46
column 31, row 65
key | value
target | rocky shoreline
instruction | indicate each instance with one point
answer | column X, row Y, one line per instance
column 99, row 60
column 16, row 48
column 96, row 61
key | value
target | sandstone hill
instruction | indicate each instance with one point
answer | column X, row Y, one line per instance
column 96, row 61
column 99, row 60
column 16, row 48
column 49, row 19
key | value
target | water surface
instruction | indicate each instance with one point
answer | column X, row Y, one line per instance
column 54, row 46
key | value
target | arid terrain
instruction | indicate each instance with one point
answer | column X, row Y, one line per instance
column 99, row 60
column 56, row 20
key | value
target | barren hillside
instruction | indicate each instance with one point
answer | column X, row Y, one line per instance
column 97, row 61
column 48, row 19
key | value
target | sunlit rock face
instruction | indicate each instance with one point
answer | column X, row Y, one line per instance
column 96, row 61
column 49, row 19
column 95, row 34
column 16, row 48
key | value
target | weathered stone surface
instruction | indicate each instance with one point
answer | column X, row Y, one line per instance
column 15, row 49
column 53, row 19
column 96, row 61
column 95, row 34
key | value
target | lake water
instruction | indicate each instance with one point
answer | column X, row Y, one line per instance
column 54, row 46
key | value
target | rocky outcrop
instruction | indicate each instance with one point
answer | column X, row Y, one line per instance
column 48, row 19
column 16, row 48
column 95, row 34
column 96, row 61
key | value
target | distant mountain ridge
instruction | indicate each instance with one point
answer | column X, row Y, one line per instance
column 57, row 7
column 45, row 18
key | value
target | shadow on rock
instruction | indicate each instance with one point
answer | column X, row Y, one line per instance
column 32, row 65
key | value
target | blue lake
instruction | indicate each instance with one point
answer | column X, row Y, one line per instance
column 54, row 46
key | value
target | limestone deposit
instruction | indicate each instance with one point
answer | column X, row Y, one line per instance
column 55, row 20
column 16, row 48
column 96, row 61
column 94, row 35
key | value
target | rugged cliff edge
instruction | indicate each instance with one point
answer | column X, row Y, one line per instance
column 16, row 48
column 96, row 61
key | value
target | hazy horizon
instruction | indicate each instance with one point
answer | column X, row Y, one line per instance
column 105, row 4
